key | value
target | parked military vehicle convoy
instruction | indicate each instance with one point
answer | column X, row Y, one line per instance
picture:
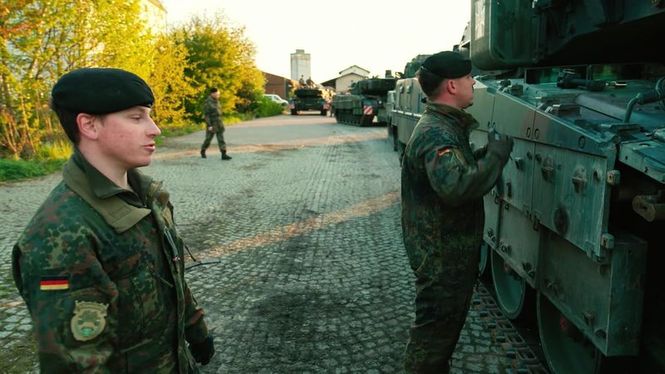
column 574, row 228
column 366, row 101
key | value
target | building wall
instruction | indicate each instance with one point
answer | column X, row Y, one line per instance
column 343, row 83
column 301, row 65
column 277, row 85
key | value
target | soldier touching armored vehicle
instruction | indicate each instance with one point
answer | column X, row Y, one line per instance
column 443, row 184
column 100, row 266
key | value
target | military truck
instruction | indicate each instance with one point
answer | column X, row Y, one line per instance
column 573, row 229
column 308, row 98
column 365, row 102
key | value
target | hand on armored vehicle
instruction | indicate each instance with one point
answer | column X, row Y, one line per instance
column 203, row 351
column 499, row 144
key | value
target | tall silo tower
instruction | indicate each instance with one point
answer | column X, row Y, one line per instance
column 301, row 65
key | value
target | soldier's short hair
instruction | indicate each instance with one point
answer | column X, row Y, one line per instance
column 68, row 122
column 213, row 90
column 429, row 82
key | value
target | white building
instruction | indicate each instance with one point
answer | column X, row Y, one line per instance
column 301, row 65
column 349, row 75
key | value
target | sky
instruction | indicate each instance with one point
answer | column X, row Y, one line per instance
column 377, row 35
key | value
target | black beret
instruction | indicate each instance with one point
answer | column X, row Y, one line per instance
column 100, row 91
column 448, row 65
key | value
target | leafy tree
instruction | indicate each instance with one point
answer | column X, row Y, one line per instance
column 220, row 56
column 41, row 40
column 168, row 82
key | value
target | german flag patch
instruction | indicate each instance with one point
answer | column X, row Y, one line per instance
column 54, row 283
column 442, row 151
column 454, row 152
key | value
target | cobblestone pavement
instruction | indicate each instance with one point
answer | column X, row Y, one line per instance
column 301, row 265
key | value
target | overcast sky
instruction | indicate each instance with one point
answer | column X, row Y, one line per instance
column 376, row 35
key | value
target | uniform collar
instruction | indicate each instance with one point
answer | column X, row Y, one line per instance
column 103, row 188
column 111, row 202
column 464, row 119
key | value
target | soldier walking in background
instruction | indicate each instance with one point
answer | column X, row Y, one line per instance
column 100, row 266
column 214, row 124
column 443, row 183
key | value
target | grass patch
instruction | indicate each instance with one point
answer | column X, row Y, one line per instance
column 11, row 170
column 174, row 131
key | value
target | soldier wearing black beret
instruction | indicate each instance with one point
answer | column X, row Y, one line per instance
column 443, row 184
column 100, row 266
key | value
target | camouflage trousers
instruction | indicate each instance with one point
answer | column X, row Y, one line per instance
column 220, row 139
column 445, row 278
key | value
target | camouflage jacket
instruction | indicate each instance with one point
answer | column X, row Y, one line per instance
column 443, row 183
column 101, row 271
column 212, row 113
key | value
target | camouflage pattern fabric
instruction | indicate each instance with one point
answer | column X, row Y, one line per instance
column 101, row 271
column 442, row 222
column 213, row 118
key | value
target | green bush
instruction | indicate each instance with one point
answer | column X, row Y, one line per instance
column 19, row 169
column 54, row 150
column 268, row 108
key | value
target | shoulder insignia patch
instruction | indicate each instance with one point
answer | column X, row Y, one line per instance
column 89, row 320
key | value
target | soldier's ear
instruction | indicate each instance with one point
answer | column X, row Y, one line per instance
column 87, row 125
column 447, row 86
column 452, row 85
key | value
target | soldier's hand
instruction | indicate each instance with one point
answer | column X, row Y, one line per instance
column 499, row 144
column 480, row 152
column 203, row 351
column 210, row 128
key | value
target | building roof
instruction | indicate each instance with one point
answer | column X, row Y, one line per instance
column 275, row 75
column 354, row 66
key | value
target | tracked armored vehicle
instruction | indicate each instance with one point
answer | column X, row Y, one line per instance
column 308, row 98
column 576, row 223
column 365, row 102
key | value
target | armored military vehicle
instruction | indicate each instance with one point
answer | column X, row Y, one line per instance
column 366, row 101
column 407, row 106
column 573, row 228
column 578, row 216
column 308, row 98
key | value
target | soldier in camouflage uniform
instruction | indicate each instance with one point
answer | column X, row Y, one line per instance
column 214, row 124
column 100, row 266
column 443, row 184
